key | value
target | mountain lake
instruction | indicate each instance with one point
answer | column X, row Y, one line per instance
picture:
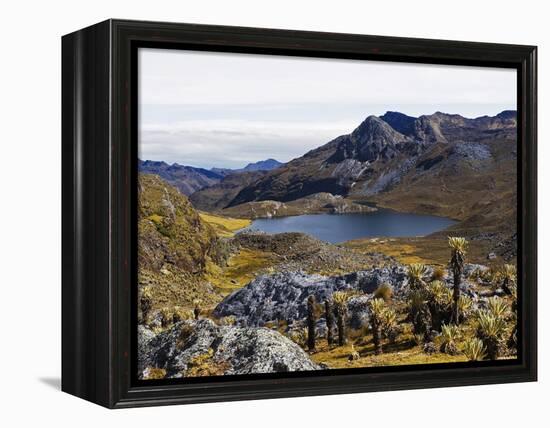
column 335, row 228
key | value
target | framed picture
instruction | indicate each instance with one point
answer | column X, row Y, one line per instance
column 253, row 213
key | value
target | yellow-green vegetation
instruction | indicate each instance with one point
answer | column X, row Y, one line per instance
column 174, row 247
column 224, row 226
column 205, row 365
column 241, row 268
column 189, row 261
column 429, row 250
column 384, row 292
column 435, row 325
column 403, row 352
column 154, row 373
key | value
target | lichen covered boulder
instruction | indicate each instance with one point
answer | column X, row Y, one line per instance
column 283, row 296
column 203, row 348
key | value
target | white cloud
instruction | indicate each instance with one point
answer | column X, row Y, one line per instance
column 234, row 143
column 225, row 110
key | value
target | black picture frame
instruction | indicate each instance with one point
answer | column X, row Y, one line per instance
column 99, row 154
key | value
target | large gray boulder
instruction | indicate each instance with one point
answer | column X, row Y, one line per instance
column 283, row 296
column 230, row 349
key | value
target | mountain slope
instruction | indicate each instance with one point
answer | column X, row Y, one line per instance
column 265, row 165
column 439, row 164
column 174, row 245
column 218, row 196
column 186, row 179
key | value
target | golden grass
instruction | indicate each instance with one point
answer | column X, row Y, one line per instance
column 425, row 250
column 224, row 227
column 241, row 268
column 155, row 218
column 403, row 352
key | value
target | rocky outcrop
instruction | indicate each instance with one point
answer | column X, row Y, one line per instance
column 312, row 204
column 372, row 140
column 194, row 348
column 283, row 296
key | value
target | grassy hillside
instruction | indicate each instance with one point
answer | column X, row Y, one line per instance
column 174, row 246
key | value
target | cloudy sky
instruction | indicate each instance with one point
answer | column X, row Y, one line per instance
column 226, row 110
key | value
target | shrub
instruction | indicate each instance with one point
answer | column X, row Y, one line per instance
column 384, row 292
column 376, row 307
column 449, row 337
column 329, row 319
column 509, row 279
column 464, row 306
column 439, row 302
column 299, row 336
column 311, row 320
column 439, row 274
column 474, row 350
column 154, row 373
column 181, row 314
column 354, row 355
column 145, row 303
column 490, row 331
column 340, row 300
column 419, row 313
column 197, row 308
column 228, row 320
column 497, row 307
column 416, row 276
column 390, row 329
column 459, row 247
column 166, row 317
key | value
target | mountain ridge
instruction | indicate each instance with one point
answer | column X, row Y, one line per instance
column 441, row 164
column 189, row 179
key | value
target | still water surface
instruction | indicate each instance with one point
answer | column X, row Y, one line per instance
column 344, row 227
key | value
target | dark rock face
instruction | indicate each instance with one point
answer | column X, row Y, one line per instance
column 372, row 140
column 227, row 349
column 283, row 296
column 400, row 122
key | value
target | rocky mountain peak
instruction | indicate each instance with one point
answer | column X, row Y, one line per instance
column 399, row 121
column 371, row 140
column 508, row 114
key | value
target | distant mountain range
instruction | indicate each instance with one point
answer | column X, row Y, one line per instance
column 378, row 154
column 189, row 179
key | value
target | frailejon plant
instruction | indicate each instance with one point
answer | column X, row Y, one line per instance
column 329, row 318
column 474, row 350
column 464, row 307
column 311, row 319
column 419, row 313
column 491, row 330
column 197, row 308
column 459, row 247
column 416, row 274
column 340, row 299
column 376, row 312
column 145, row 303
column 449, row 338
column 509, row 279
column 390, row 329
column 439, row 301
column 354, row 355
column 497, row 307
